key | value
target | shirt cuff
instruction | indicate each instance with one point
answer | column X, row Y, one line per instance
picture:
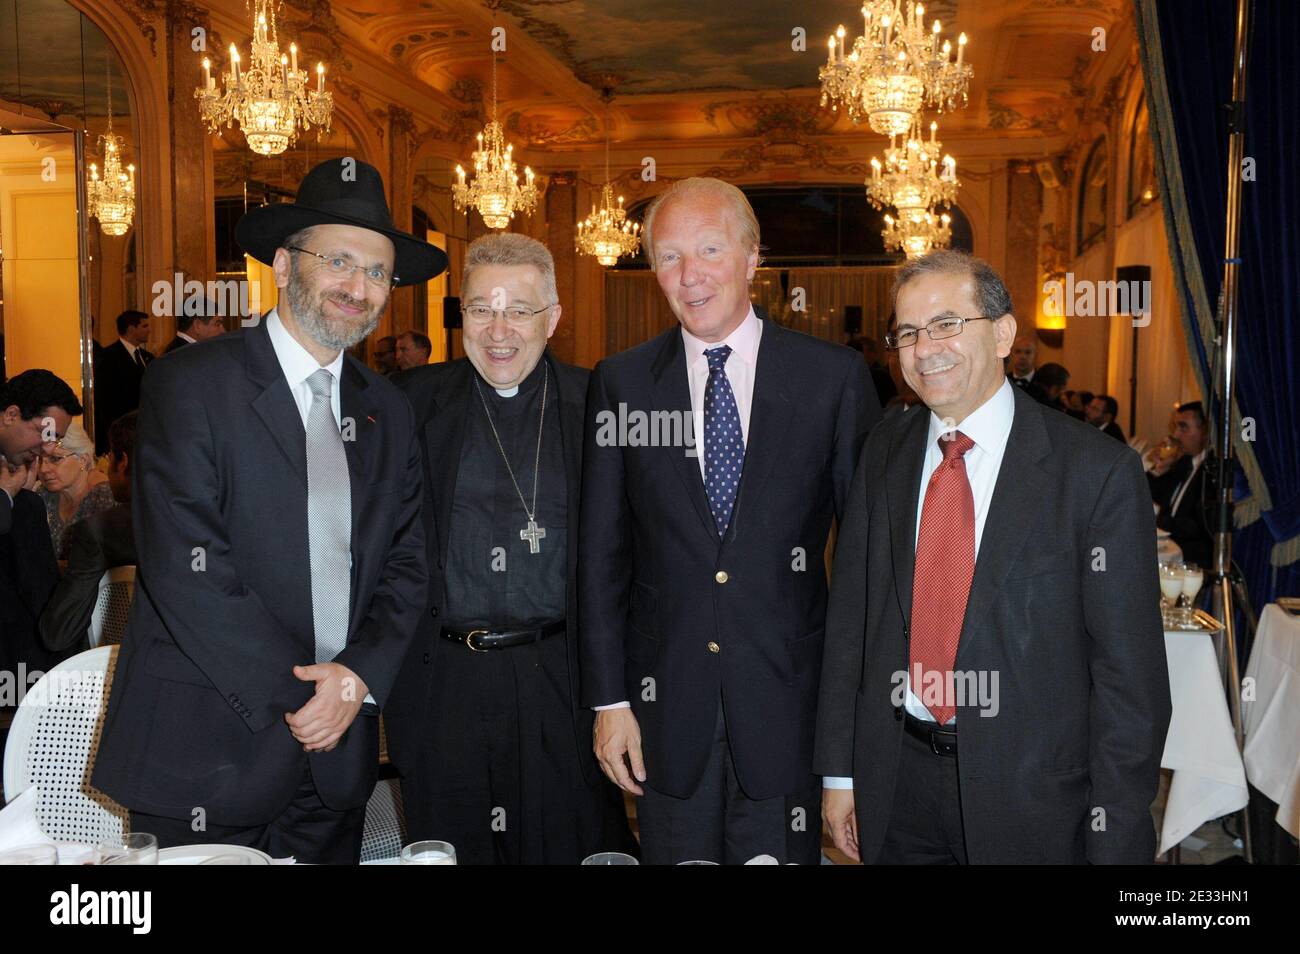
column 835, row 781
column 616, row 705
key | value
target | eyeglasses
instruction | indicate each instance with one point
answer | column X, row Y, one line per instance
column 514, row 315
column 938, row 329
column 340, row 267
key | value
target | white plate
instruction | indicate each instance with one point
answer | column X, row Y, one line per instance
column 193, row 854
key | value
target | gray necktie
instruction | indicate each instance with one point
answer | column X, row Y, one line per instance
column 329, row 521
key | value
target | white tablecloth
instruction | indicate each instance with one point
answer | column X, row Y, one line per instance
column 1272, row 720
column 1201, row 747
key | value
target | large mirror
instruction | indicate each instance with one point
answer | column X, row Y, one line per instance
column 63, row 283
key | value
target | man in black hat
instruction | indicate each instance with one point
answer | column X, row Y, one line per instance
column 282, row 569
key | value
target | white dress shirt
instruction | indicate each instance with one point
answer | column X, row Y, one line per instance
column 184, row 336
column 130, row 349
column 989, row 426
column 298, row 365
column 739, row 369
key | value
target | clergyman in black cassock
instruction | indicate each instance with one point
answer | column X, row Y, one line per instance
column 494, row 752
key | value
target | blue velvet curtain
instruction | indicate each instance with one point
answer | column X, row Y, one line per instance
column 1186, row 48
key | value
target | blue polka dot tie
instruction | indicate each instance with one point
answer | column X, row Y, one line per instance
column 724, row 443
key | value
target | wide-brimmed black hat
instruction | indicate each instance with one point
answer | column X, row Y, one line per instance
column 339, row 192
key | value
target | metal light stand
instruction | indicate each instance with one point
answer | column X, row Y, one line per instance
column 1223, row 594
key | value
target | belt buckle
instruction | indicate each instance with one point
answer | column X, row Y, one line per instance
column 469, row 639
column 938, row 745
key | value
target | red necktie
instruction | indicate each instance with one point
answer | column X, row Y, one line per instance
column 945, row 565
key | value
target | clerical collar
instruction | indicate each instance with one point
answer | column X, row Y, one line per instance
column 526, row 387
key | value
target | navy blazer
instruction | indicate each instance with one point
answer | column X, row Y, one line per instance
column 658, row 588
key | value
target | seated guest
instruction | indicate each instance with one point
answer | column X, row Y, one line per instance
column 1048, row 384
column 413, row 350
column 385, row 356
column 191, row 329
column 1101, row 412
column 1076, row 403
column 36, row 408
column 1184, row 486
column 97, row 543
column 71, row 486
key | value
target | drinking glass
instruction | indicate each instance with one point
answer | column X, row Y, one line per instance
column 137, row 848
column 428, row 853
column 610, row 858
column 31, row 855
column 1171, row 586
column 1193, row 577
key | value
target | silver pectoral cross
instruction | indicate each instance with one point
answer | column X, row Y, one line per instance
column 533, row 533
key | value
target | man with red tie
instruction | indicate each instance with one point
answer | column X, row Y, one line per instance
column 994, row 686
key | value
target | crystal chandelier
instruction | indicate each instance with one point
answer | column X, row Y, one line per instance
column 495, row 190
column 912, row 178
column 111, row 199
column 270, row 99
column 894, row 68
column 917, row 233
column 606, row 233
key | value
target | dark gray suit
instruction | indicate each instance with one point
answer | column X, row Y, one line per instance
column 1079, row 651
column 205, row 676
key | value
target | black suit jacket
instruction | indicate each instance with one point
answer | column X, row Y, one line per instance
column 175, row 344
column 658, row 586
column 1083, row 692
column 204, row 680
column 1114, row 430
column 95, row 544
column 440, row 395
column 1191, row 525
column 28, row 574
column 117, row 387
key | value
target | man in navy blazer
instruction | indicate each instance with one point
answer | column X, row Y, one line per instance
column 701, row 574
column 281, row 552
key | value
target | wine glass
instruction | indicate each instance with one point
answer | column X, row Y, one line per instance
column 610, row 858
column 1193, row 577
column 428, row 853
column 136, row 848
column 1171, row 586
column 31, row 855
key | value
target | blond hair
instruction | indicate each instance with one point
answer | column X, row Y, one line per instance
column 703, row 187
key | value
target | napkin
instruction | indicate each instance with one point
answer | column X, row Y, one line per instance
column 18, row 825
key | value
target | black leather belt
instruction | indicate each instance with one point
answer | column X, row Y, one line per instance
column 940, row 741
column 483, row 640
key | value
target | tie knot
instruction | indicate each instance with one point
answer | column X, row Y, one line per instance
column 954, row 444
column 717, row 357
column 320, row 384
